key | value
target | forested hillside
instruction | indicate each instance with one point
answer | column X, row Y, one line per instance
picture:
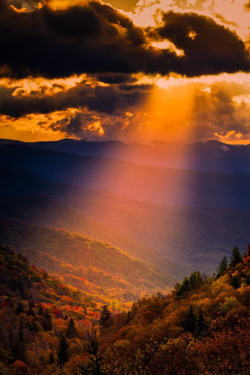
column 46, row 211
column 200, row 327
column 108, row 271
column 37, row 313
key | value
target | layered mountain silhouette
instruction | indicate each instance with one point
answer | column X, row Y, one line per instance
column 138, row 182
column 211, row 156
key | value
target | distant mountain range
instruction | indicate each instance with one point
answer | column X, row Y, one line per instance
column 211, row 156
column 157, row 185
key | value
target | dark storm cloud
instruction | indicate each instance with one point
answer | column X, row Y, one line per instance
column 97, row 39
column 92, row 38
column 112, row 78
column 100, row 99
column 209, row 48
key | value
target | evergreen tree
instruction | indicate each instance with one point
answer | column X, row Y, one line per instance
column 71, row 331
column 105, row 317
column 235, row 282
column 34, row 327
column 20, row 308
column 189, row 323
column 47, row 321
column 40, row 310
column 62, row 353
column 51, row 358
column 184, row 287
column 31, row 311
column 195, row 280
column 95, row 364
column 236, row 257
column 201, row 328
column 222, row 267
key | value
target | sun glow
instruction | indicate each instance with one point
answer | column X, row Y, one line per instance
column 167, row 113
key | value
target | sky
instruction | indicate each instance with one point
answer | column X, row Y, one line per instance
column 135, row 71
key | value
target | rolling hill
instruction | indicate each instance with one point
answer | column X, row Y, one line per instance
column 166, row 236
column 47, row 211
column 161, row 235
column 80, row 251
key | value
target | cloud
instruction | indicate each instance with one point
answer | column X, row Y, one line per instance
column 221, row 112
column 104, row 99
column 208, row 47
column 95, row 38
column 247, row 5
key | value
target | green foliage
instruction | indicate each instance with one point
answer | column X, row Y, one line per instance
column 236, row 257
column 183, row 288
column 222, row 267
column 194, row 281
column 235, row 281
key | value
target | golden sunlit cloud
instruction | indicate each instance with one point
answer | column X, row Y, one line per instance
column 64, row 4
column 165, row 44
column 230, row 13
column 34, row 85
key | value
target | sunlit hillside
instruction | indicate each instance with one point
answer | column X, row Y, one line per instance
column 47, row 247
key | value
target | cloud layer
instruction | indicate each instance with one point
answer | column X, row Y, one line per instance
column 96, row 38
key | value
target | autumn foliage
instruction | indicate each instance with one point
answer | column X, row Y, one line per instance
column 200, row 327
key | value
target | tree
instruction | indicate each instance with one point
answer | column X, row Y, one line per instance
column 105, row 317
column 40, row 310
column 195, row 280
column 235, row 282
column 189, row 323
column 94, row 365
column 47, row 321
column 184, row 287
column 51, row 358
column 20, row 308
column 201, row 328
column 30, row 311
column 236, row 257
column 222, row 267
column 62, row 353
column 71, row 331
